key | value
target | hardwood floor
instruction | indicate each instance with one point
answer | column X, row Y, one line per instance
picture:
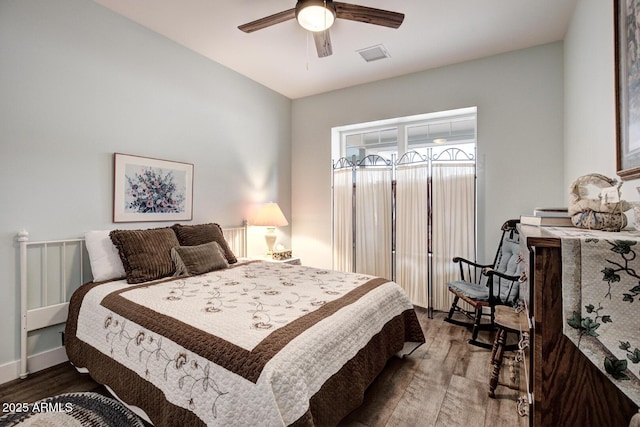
column 443, row 383
column 62, row 378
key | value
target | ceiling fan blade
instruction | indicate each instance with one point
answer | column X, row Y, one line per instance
column 268, row 21
column 368, row 15
column 323, row 43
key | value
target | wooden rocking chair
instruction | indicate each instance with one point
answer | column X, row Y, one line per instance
column 487, row 285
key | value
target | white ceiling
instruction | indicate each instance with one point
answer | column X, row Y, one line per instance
column 283, row 57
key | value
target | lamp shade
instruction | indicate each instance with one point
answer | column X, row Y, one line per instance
column 270, row 215
column 315, row 15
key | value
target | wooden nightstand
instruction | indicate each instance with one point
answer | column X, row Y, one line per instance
column 293, row 260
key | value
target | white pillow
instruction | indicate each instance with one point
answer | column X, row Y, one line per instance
column 103, row 256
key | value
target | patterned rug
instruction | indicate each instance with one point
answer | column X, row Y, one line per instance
column 71, row 410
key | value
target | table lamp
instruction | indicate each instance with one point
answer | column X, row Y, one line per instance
column 270, row 216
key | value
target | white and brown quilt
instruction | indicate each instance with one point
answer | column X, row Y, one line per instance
column 258, row 343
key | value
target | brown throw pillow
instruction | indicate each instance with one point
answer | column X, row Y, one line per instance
column 193, row 235
column 192, row 260
column 145, row 254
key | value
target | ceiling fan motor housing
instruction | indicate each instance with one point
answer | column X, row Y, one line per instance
column 315, row 15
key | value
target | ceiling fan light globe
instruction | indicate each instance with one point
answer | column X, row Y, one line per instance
column 315, row 17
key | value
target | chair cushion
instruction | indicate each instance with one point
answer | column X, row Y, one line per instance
column 507, row 263
column 507, row 296
column 470, row 290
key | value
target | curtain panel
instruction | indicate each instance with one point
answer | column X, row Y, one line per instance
column 373, row 221
column 343, row 219
column 432, row 212
column 453, row 225
column 412, row 231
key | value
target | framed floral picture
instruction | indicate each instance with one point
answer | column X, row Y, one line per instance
column 147, row 189
column 627, row 73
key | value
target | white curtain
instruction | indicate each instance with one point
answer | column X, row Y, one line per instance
column 343, row 220
column 412, row 232
column 373, row 221
column 453, row 220
column 453, row 225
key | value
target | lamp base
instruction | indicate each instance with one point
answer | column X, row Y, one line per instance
column 270, row 238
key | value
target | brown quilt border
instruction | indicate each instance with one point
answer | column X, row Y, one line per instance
column 355, row 376
column 248, row 364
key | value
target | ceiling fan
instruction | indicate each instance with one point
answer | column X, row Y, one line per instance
column 318, row 16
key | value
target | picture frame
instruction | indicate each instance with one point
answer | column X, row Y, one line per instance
column 627, row 90
column 149, row 189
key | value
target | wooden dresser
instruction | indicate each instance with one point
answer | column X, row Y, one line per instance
column 567, row 389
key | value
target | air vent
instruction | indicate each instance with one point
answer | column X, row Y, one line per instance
column 373, row 53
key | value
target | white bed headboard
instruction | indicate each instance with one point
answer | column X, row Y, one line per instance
column 51, row 270
column 236, row 237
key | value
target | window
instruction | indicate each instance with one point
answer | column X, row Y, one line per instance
column 393, row 138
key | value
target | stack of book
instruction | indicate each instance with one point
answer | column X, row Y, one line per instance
column 549, row 217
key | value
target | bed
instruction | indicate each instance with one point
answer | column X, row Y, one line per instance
column 233, row 341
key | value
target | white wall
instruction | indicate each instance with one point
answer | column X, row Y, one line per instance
column 78, row 83
column 590, row 121
column 519, row 96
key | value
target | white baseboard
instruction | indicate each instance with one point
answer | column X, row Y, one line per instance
column 35, row 363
